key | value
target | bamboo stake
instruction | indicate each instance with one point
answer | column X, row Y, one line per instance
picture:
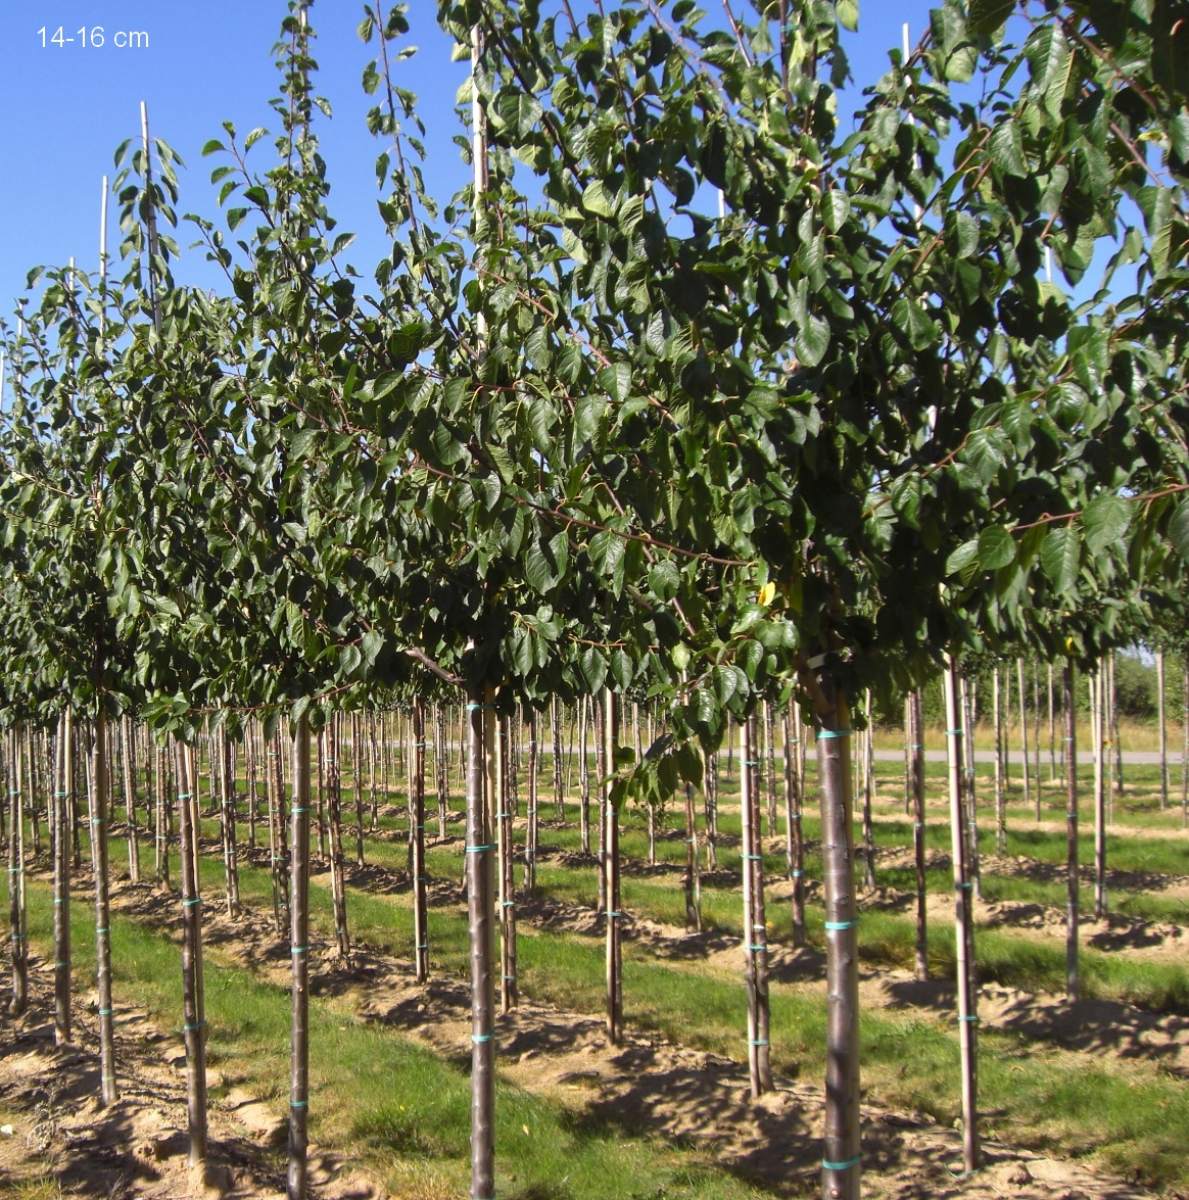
column 614, row 956
column 755, row 934
column 420, row 870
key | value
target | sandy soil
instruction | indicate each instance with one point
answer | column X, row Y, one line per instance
column 139, row 1146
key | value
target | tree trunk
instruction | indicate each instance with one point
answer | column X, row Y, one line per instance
column 1071, row 840
column 1113, row 734
column 193, row 1006
column 505, row 844
column 230, row 849
column 868, row 787
column 583, row 773
column 531, row 813
column 63, row 802
column 611, row 873
column 16, row 879
column 107, row 1050
column 968, row 793
column 558, row 795
column 357, row 788
column 1162, row 730
column 1024, row 735
column 964, row 921
column 299, row 952
column 794, row 835
column 478, row 862
column 420, row 870
column 917, row 790
column 841, row 1174
column 1000, row 771
column 1099, row 722
column 755, row 932
column 129, row 779
column 334, row 797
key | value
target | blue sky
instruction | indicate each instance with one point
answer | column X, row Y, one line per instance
column 68, row 107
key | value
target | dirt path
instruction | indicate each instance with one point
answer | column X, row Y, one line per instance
column 56, row 1130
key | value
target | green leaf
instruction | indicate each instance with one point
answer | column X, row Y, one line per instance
column 1178, row 529
column 1104, row 521
column 988, row 16
column 1007, row 149
column 962, row 558
column 812, row 341
column 848, row 14
column 1060, row 556
column 996, row 548
column 595, row 199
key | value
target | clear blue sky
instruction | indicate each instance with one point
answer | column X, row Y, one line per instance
column 67, row 108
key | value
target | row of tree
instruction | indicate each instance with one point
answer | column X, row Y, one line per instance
column 574, row 436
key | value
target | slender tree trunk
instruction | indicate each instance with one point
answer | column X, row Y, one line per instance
column 16, row 880
column 1162, row 730
column 194, row 1029
column 1024, row 735
column 769, row 766
column 63, row 801
column 968, row 794
column 555, row 722
column 868, row 783
column 1052, row 723
column 794, row 835
column 531, row 813
column 299, row 952
column 917, row 790
column 230, row 849
column 253, row 795
column 441, row 768
column 611, row 873
column 334, row 796
column 505, row 844
column 755, row 931
column 357, row 787
column 964, row 923
column 129, row 778
column 1000, row 771
column 1071, row 840
column 710, row 804
column 478, row 861
column 1185, row 741
column 1099, row 719
column 691, row 881
column 841, row 1172
column 583, row 771
column 420, row 870
column 99, row 780
column 602, row 770
column 1115, row 742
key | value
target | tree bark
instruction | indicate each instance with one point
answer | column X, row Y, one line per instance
column 841, row 1172
column 193, row 1006
column 299, row 953
column 917, row 790
column 478, row 862
column 63, row 802
column 964, row 921
column 614, row 962
column 1071, row 839
column 755, row 930
column 99, row 781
